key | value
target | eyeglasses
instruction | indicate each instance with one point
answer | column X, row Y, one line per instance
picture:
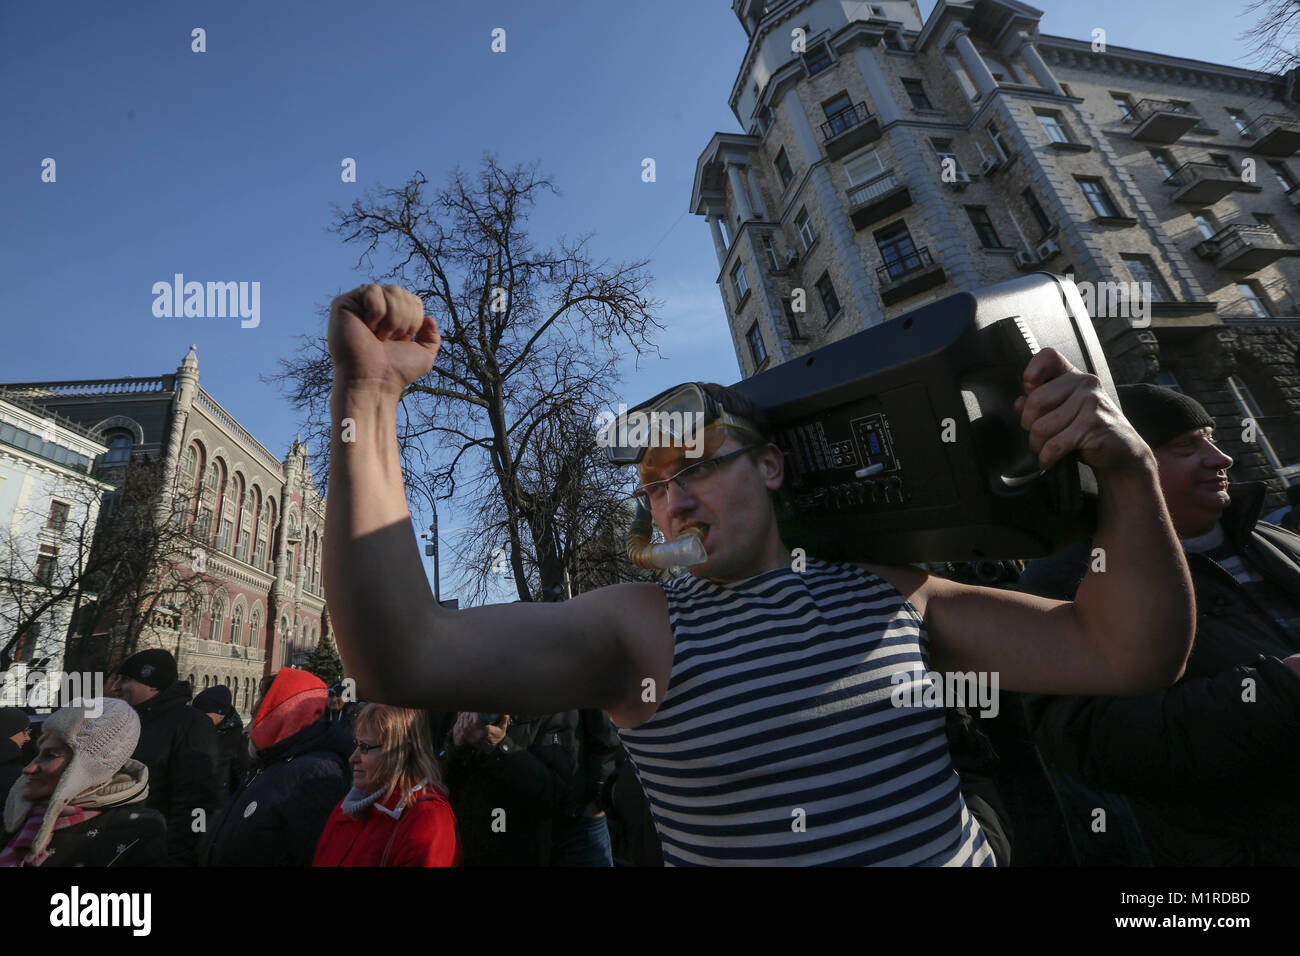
column 656, row 491
column 366, row 748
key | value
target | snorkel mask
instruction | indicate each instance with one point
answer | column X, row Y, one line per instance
column 684, row 422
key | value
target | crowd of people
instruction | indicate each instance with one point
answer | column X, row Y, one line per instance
column 148, row 777
column 741, row 713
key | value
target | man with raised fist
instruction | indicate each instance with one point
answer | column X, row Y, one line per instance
column 753, row 696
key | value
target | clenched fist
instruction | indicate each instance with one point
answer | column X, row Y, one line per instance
column 1066, row 410
column 380, row 339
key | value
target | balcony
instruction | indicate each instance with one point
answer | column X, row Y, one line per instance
column 849, row 129
column 877, row 198
column 1273, row 135
column 1245, row 247
column 908, row 275
column 1201, row 184
column 1160, row 121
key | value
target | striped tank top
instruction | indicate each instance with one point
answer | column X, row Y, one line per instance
column 777, row 741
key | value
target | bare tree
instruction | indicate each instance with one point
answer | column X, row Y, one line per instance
column 530, row 350
column 1275, row 38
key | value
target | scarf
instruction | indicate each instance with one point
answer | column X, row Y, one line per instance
column 128, row 785
column 357, row 800
column 19, row 852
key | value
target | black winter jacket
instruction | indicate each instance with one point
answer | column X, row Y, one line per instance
column 505, row 801
column 130, row 835
column 232, row 757
column 179, row 746
column 278, row 817
column 1211, row 766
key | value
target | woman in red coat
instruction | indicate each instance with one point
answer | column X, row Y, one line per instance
column 397, row 813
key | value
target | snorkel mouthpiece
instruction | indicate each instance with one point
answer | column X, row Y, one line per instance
column 686, row 550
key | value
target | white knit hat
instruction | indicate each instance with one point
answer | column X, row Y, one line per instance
column 100, row 747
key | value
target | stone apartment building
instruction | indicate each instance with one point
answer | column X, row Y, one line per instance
column 887, row 162
column 257, row 520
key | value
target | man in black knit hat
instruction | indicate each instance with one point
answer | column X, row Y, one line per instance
column 1210, row 767
column 177, row 743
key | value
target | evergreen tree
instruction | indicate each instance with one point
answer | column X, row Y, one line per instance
column 325, row 662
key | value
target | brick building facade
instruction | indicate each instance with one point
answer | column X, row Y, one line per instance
column 257, row 520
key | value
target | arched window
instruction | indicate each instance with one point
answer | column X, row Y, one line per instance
column 119, row 447
column 254, row 628
column 218, row 616
column 236, row 625
column 191, row 681
column 189, row 465
column 205, row 681
column 212, row 477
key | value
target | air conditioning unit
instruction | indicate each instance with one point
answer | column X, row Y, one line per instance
column 1048, row 249
column 1025, row 260
column 990, row 164
column 961, row 182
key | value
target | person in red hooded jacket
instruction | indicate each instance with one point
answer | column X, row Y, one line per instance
column 397, row 813
column 300, row 772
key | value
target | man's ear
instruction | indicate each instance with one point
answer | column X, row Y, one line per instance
column 771, row 465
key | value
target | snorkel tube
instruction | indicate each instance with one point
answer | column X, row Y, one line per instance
column 687, row 549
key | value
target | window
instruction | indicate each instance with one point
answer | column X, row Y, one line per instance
column 783, row 168
column 894, row 41
column 223, row 539
column 189, row 465
column 212, row 477
column 237, row 625
column 241, row 551
column 830, row 301
column 1164, row 161
column 1038, row 212
column 791, row 320
column 915, row 91
column 738, row 281
column 1206, row 224
column 943, row 149
column 817, row 59
column 804, row 226
column 765, row 119
column 1053, row 127
column 1238, row 120
column 47, row 563
column 1143, row 270
column 995, row 137
column 254, row 628
column 218, row 617
column 259, row 554
column 862, row 167
column 1222, row 160
column 58, row 516
column 119, row 448
column 897, row 250
column 1167, row 379
column 979, row 218
column 839, row 113
column 203, row 528
column 1283, row 176
column 1254, row 301
column 1095, row 192
column 1124, row 104
column 756, row 349
column 769, row 252
column 25, row 648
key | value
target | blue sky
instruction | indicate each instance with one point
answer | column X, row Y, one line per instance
column 224, row 165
